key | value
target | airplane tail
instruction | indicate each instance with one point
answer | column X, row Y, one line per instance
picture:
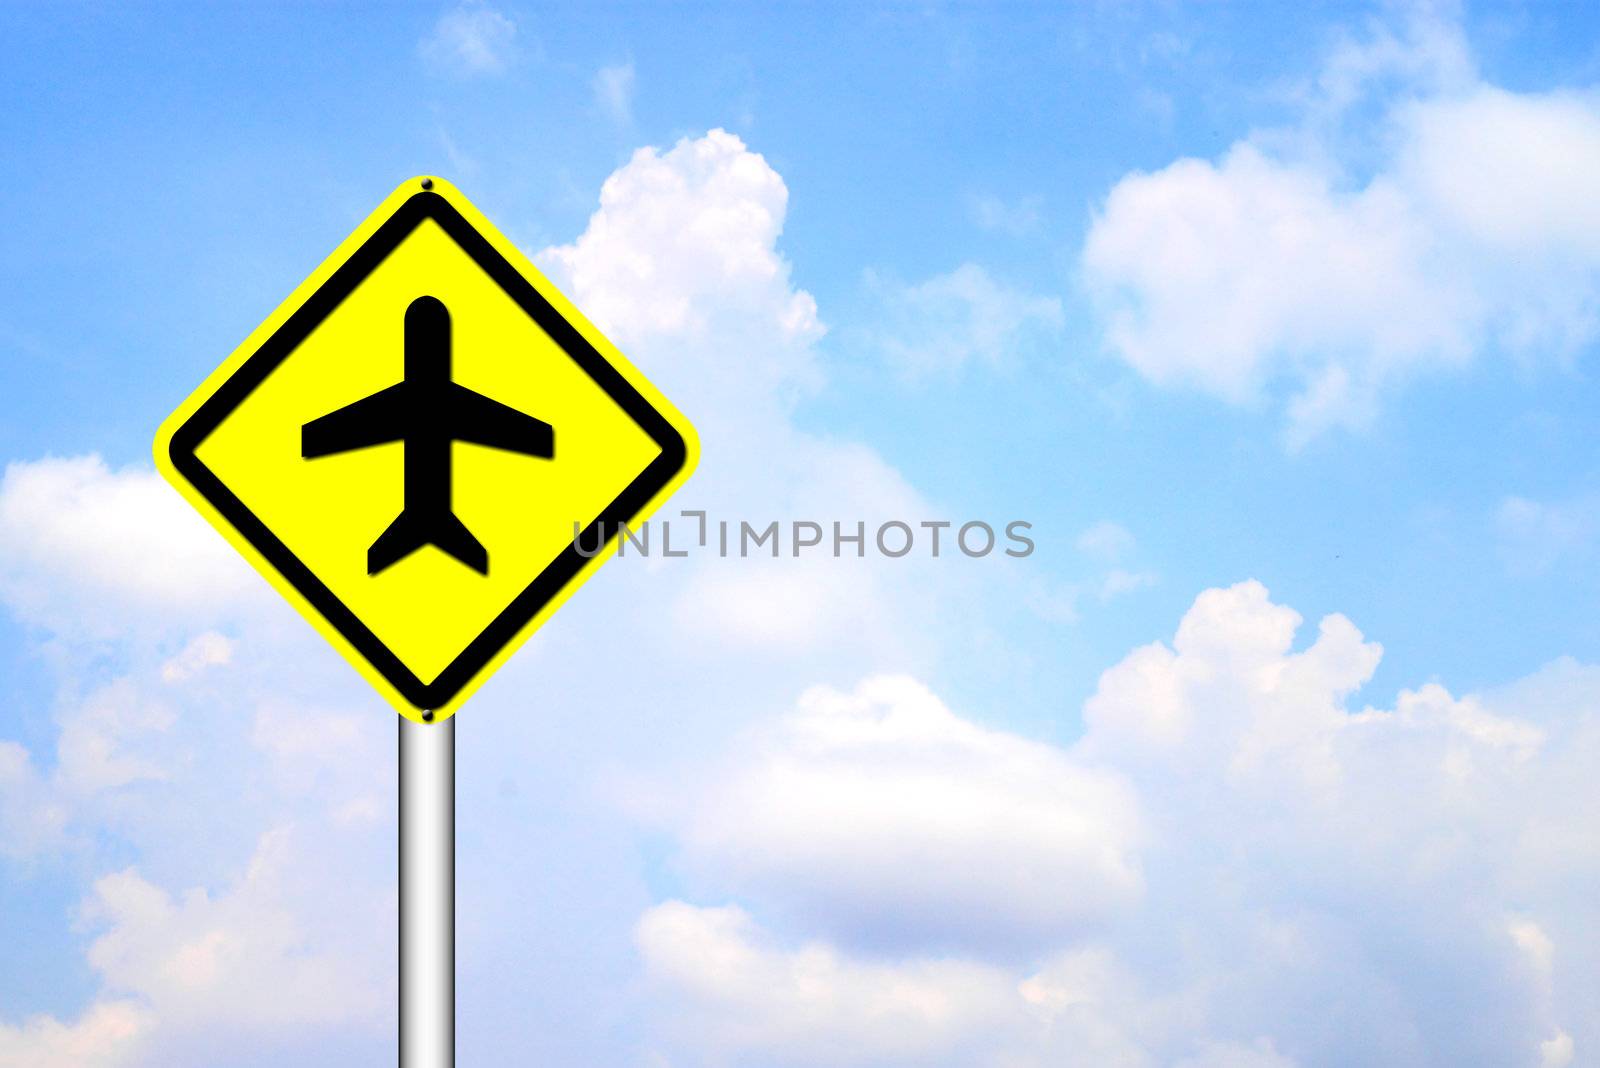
column 407, row 534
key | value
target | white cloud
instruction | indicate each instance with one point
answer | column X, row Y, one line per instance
column 815, row 603
column 1420, row 51
column 1053, row 602
column 737, row 992
column 1108, row 547
column 32, row 817
column 1110, row 544
column 256, row 963
column 1234, row 649
column 1532, row 940
column 206, row 650
column 1319, row 882
column 242, row 959
column 1106, row 540
column 1556, row 1052
column 109, row 739
column 1223, row 276
column 613, row 91
column 108, row 1034
column 1535, row 535
column 732, row 340
column 882, row 815
column 779, row 605
column 732, row 990
column 1288, row 267
column 121, row 583
column 472, row 39
column 104, row 743
column 684, row 245
column 943, row 323
column 88, row 550
column 1511, row 170
column 1260, row 1054
column 1118, row 582
column 1017, row 218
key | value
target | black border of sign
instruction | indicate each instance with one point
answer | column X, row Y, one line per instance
column 554, row 578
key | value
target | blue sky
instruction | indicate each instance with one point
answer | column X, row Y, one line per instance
column 1251, row 311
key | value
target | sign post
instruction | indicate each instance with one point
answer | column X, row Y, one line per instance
column 427, row 894
column 426, row 449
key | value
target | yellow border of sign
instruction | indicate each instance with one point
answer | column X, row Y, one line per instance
column 302, row 293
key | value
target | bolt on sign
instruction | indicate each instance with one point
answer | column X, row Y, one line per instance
column 412, row 447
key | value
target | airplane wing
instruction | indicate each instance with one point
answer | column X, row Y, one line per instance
column 477, row 419
column 370, row 421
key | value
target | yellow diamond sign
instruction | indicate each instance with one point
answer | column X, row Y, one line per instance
column 423, row 447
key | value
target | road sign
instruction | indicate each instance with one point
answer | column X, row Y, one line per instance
column 408, row 444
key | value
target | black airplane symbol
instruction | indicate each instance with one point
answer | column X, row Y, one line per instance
column 428, row 412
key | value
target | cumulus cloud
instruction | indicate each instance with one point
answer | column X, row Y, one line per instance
column 950, row 320
column 1556, row 1051
column 470, row 40
column 684, row 247
column 1228, row 638
column 294, row 943
column 1294, row 269
column 817, row 602
column 173, row 969
column 1319, row 881
column 812, row 1004
column 781, row 605
column 85, row 549
column 881, row 815
column 681, row 264
column 733, row 992
column 145, row 755
column 108, row 1034
column 242, row 957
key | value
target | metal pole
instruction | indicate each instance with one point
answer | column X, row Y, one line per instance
column 427, row 894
